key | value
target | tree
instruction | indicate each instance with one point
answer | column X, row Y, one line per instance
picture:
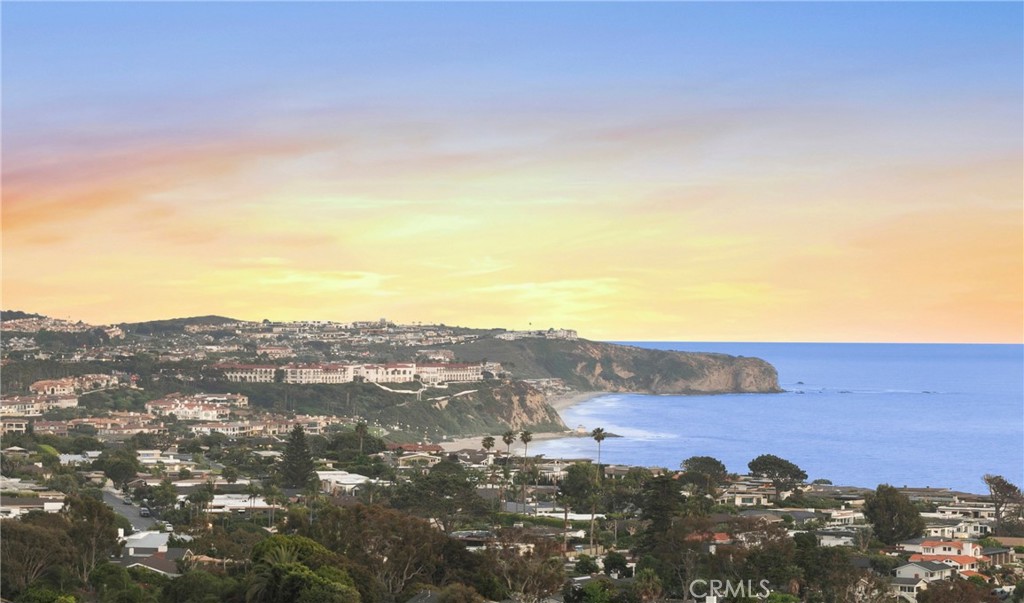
column 528, row 575
column 297, row 467
column 579, row 488
column 230, row 474
column 647, row 586
column 661, row 502
column 165, row 495
column 1002, row 493
column 487, row 444
column 830, row 575
column 955, row 591
column 599, row 435
column 396, row 549
column 199, row 499
column 279, row 578
column 509, row 437
column 252, row 492
column 615, row 562
column 199, row 586
column 274, row 497
column 705, row 473
column 459, row 593
column 893, row 517
column 361, row 432
column 784, row 475
column 92, row 532
column 585, row 565
column 29, row 548
column 119, row 465
column 445, row 494
column 525, row 437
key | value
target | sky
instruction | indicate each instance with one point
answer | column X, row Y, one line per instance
column 636, row 171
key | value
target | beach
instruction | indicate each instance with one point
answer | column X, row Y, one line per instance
column 560, row 403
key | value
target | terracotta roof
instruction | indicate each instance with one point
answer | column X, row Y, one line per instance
column 958, row 559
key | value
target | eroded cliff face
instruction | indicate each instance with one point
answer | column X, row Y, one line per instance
column 595, row 366
column 620, row 368
column 524, row 407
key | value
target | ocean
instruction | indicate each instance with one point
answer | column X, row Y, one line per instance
column 938, row 415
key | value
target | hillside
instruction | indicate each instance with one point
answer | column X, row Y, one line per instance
column 463, row 409
column 174, row 325
column 589, row 365
column 17, row 315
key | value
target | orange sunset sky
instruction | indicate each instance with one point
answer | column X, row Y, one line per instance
column 703, row 172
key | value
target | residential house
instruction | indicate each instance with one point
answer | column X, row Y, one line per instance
column 17, row 425
column 416, row 460
column 338, row 483
column 53, row 387
column 907, row 589
column 929, row 571
column 837, row 537
column 14, row 506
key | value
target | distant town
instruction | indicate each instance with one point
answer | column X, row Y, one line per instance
column 181, row 460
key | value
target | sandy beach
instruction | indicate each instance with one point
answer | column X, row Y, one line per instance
column 559, row 403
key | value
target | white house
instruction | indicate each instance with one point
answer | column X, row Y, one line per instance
column 929, row 571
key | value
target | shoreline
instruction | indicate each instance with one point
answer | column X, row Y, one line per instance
column 559, row 402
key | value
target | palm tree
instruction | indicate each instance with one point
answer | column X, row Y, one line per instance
column 273, row 495
column 200, row 499
column 253, row 491
column 487, row 443
column 361, row 431
column 266, row 579
column 509, row 437
column 525, row 437
column 599, row 435
column 647, row 585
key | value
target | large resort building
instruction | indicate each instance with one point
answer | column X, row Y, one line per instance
column 346, row 373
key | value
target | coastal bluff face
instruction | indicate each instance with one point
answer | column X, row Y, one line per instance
column 590, row 365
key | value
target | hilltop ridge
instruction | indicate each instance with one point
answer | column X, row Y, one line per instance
column 598, row 366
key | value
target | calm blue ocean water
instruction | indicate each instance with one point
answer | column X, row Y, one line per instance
column 857, row 414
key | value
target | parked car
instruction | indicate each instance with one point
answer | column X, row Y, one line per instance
column 127, row 500
column 144, row 512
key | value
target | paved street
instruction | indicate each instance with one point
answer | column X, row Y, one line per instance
column 114, row 500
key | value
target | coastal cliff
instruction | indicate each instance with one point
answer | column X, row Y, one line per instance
column 521, row 406
column 589, row 365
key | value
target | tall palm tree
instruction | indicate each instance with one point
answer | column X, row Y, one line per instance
column 252, row 491
column 525, row 437
column 273, row 495
column 599, row 435
column 361, row 431
column 509, row 437
column 487, row 443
